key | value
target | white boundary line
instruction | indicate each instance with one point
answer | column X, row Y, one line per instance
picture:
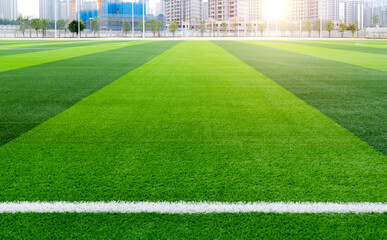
column 191, row 207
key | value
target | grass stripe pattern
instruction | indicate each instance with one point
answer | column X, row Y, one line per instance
column 352, row 96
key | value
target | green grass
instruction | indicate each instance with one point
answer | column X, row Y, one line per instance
column 211, row 226
column 193, row 124
column 348, row 47
column 352, row 96
column 192, row 121
column 53, row 87
column 369, row 60
column 41, row 47
column 12, row 62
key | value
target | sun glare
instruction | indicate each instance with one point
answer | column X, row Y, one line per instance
column 274, row 9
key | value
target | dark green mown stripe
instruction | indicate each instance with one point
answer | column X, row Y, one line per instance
column 382, row 51
column 30, row 96
column 210, row 226
column 352, row 96
column 41, row 48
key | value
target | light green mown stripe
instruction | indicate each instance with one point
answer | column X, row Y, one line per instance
column 30, row 59
column 33, row 44
column 363, row 43
column 373, row 61
column 193, row 124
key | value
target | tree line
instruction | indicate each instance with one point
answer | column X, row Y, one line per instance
column 282, row 27
column 155, row 26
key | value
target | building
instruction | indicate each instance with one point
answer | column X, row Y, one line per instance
column 64, row 9
column 8, row 9
column 301, row 10
column 224, row 10
column 47, row 9
column 114, row 12
column 329, row 10
column 160, row 8
column 375, row 11
column 205, row 10
column 353, row 12
column 184, row 12
column 256, row 10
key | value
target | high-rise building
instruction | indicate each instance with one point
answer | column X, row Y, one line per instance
column 224, row 10
column 63, row 9
column 314, row 9
column 8, row 9
column 183, row 12
column 329, row 10
column 160, row 8
column 303, row 10
column 47, row 9
column 256, row 10
column 205, row 10
column 375, row 14
column 353, row 12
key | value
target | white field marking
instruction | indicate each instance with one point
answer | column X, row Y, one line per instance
column 191, row 207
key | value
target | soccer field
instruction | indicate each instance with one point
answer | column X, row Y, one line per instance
column 193, row 139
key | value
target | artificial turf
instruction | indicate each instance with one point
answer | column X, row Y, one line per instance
column 191, row 121
column 193, row 124
column 16, row 61
column 353, row 96
column 369, row 60
column 196, row 226
column 40, row 47
column 347, row 47
column 52, row 87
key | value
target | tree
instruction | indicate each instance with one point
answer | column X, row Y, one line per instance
column 202, row 27
column 353, row 27
column 173, row 27
column 61, row 25
column 282, row 27
column 342, row 28
column 22, row 22
column 375, row 20
column 73, row 27
column 44, row 23
column 154, row 26
column 307, row 27
column 317, row 27
column 94, row 26
column 126, row 27
column 223, row 27
column 261, row 28
column 329, row 26
column 211, row 26
column 249, row 27
column 35, row 24
column 234, row 28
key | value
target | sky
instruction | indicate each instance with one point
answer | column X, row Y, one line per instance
column 28, row 7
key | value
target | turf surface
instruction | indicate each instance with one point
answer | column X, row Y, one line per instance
column 193, row 121
column 12, row 50
column 347, row 47
column 352, row 96
column 191, row 118
column 369, row 60
column 53, row 87
column 17, row 61
column 211, row 226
